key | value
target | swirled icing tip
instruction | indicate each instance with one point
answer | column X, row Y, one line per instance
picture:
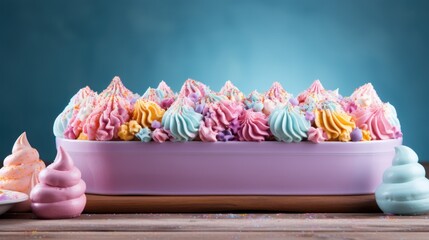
column 63, row 161
column 316, row 87
column 21, row 142
column 366, row 95
column 163, row 85
column 277, row 93
column 116, row 87
column 404, row 155
column 227, row 87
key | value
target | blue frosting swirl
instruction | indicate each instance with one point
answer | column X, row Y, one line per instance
column 288, row 124
column 182, row 121
column 404, row 190
column 144, row 135
column 62, row 120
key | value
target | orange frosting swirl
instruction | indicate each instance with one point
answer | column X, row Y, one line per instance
column 21, row 169
column 337, row 125
column 145, row 112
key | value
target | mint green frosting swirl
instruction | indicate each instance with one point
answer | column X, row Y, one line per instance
column 62, row 120
column 404, row 190
column 288, row 124
column 182, row 122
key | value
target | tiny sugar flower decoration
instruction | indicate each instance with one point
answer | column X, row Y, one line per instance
column 194, row 97
column 144, row 135
column 225, row 136
column 199, row 108
column 134, row 127
column 156, row 124
column 309, row 116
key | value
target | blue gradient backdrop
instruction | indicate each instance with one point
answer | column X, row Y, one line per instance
column 51, row 48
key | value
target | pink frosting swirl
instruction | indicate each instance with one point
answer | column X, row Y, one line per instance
column 159, row 135
column 232, row 92
column 194, row 87
column 80, row 114
column 104, row 122
column 206, row 133
column 61, row 191
column 21, row 170
column 366, row 96
column 315, row 89
column 253, row 126
column 277, row 93
column 219, row 115
column 374, row 120
column 316, row 135
column 117, row 88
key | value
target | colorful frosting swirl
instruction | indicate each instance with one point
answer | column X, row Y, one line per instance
column 108, row 116
column 405, row 189
column 253, row 126
column 181, row 120
column 288, row 124
column 145, row 112
column 316, row 135
column 380, row 121
column 366, row 96
column 159, row 135
column 277, row 93
column 162, row 95
column 80, row 114
column 255, row 101
column 335, row 123
column 232, row 92
column 213, row 97
column 206, row 133
column 194, row 87
column 104, row 122
column 219, row 115
column 21, row 169
column 315, row 91
column 116, row 88
column 71, row 110
column 61, row 191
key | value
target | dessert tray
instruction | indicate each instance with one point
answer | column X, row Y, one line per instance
column 232, row 168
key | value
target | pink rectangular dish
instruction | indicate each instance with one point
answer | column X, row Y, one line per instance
column 232, row 168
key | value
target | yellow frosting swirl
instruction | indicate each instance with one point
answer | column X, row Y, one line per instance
column 128, row 130
column 366, row 135
column 145, row 112
column 337, row 125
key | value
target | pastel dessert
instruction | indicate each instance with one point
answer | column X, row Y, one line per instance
column 61, row 191
column 72, row 110
column 255, row 101
column 162, row 95
column 232, row 92
column 275, row 97
column 81, row 112
column 197, row 113
column 20, row 171
column 405, row 189
column 113, row 109
column 181, row 120
column 194, row 90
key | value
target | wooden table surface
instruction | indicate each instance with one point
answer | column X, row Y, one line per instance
column 217, row 226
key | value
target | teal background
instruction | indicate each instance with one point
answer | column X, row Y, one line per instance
column 51, row 48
